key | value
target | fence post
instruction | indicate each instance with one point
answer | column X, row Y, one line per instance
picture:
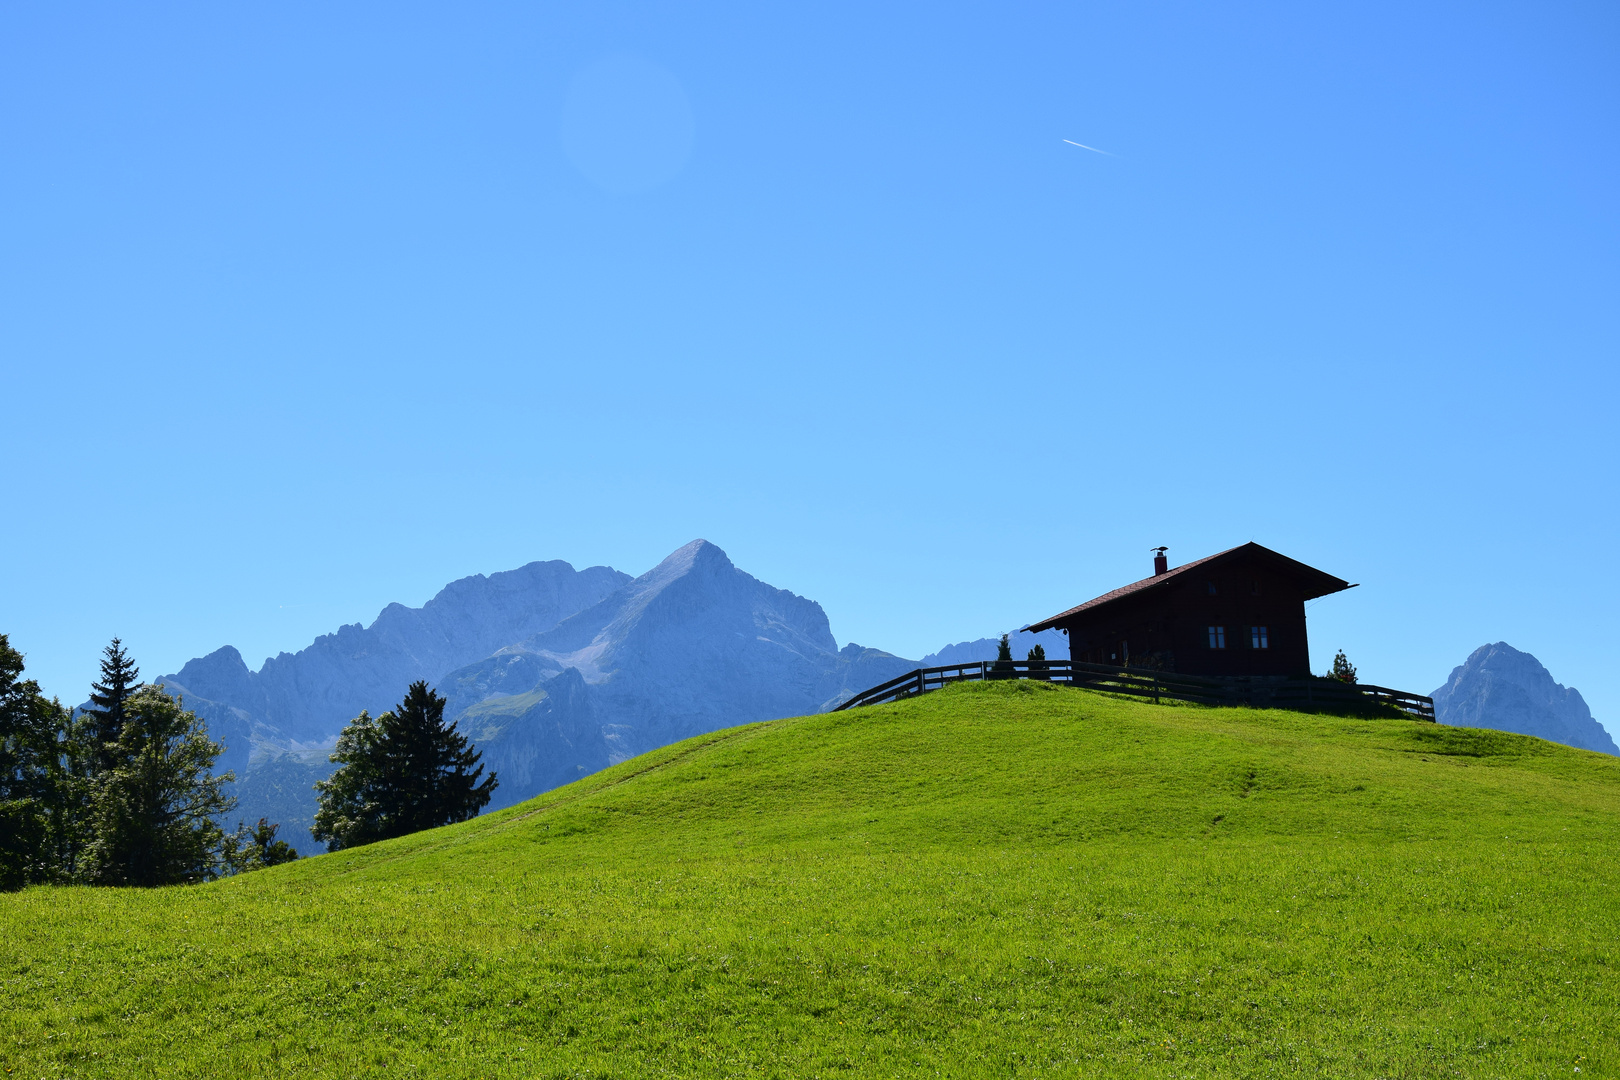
column 919, row 682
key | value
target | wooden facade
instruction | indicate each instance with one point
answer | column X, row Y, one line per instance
column 1241, row 612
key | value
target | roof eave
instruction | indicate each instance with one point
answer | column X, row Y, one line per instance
column 1322, row 582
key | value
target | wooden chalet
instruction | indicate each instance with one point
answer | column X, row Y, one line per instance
column 1238, row 613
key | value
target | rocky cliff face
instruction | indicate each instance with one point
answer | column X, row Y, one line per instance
column 1500, row 687
column 535, row 741
column 693, row 645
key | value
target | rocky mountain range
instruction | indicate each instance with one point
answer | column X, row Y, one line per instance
column 968, row 652
column 554, row 673
column 1502, row 688
column 693, row 645
column 305, row 697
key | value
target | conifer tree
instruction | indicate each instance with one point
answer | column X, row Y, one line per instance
column 1343, row 669
column 399, row 773
column 153, row 815
column 267, row 849
column 1004, row 660
column 104, row 720
column 256, row 848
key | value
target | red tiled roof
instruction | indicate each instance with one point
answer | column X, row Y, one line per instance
column 1325, row 582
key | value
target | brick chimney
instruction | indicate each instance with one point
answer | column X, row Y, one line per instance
column 1161, row 565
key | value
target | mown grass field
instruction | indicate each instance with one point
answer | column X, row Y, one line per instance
column 993, row 880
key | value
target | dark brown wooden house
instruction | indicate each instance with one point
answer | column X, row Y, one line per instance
column 1241, row 612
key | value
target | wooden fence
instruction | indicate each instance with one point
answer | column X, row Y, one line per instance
column 1309, row 694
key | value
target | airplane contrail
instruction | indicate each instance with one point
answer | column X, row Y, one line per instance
column 1093, row 149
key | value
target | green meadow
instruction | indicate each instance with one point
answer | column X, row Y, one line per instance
column 1002, row 879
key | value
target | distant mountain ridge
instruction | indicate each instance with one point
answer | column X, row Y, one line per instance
column 968, row 652
column 1502, row 688
column 693, row 645
column 310, row 694
column 554, row 673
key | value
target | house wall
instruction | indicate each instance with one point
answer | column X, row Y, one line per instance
column 1169, row 626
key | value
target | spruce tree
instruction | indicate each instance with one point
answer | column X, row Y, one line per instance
column 1343, row 669
column 1003, row 666
column 154, row 812
column 267, row 849
column 104, row 720
column 256, row 848
column 399, row 773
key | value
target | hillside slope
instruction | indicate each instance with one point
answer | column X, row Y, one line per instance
column 995, row 879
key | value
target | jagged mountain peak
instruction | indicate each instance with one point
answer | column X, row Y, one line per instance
column 556, row 671
column 224, row 660
column 312, row 693
column 1504, row 688
column 695, row 599
column 697, row 561
column 1501, row 664
column 222, row 675
column 699, row 554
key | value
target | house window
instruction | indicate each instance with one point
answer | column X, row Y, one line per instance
column 1217, row 637
column 1257, row 637
column 1211, row 586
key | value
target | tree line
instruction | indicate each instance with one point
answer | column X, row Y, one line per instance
column 123, row 792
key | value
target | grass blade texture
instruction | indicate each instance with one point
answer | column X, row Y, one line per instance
column 996, row 879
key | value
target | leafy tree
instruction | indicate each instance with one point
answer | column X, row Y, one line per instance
column 72, row 793
column 104, row 720
column 153, row 812
column 1343, row 669
column 256, row 848
column 30, row 727
column 399, row 773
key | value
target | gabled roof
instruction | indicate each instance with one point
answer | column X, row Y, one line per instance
column 1316, row 582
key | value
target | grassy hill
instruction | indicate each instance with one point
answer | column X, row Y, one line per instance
column 996, row 879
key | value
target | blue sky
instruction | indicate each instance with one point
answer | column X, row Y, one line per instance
column 306, row 309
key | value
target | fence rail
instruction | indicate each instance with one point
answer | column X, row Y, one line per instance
column 1310, row 694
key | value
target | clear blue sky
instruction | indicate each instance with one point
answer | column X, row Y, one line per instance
column 309, row 308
